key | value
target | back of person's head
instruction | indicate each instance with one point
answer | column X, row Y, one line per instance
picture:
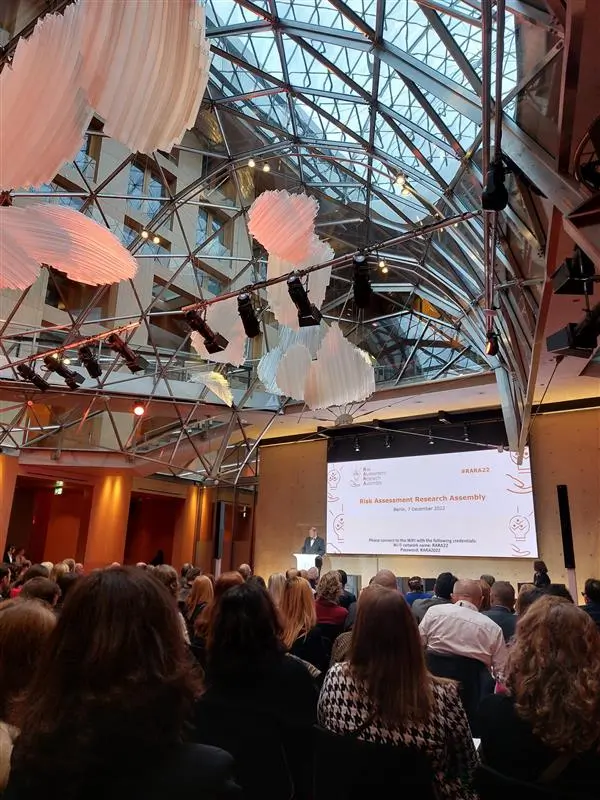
column 528, row 594
column 540, row 566
column 245, row 571
column 489, row 579
column 313, row 574
column 41, row 589
column 185, row 569
column 113, row 686
column 244, row 634
column 553, row 673
column 297, row 609
column 415, row 584
column 60, row 568
column 592, row 590
column 444, row 585
column 227, row 580
column 202, row 592
column 292, row 572
column 503, row 594
column 70, row 562
column 385, row 578
column 25, row 626
column 387, row 655
column 259, row 580
column 468, row 590
column 486, row 594
column 275, row 586
column 329, row 586
column 65, row 584
column 49, row 565
column 5, row 572
column 167, row 575
column 34, row 571
column 558, row 590
column 343, row 577
column 224, row 582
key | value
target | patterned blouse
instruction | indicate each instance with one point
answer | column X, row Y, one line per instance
column 446, row 736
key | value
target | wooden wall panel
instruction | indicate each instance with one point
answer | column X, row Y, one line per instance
column 565, row 449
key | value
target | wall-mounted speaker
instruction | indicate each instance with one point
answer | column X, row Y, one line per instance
column 565, row 526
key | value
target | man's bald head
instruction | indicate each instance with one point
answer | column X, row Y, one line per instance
column 467, row 590
column 385, row 578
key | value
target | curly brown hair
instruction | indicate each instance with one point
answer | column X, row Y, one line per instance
column 553, row 674
column 330, row 586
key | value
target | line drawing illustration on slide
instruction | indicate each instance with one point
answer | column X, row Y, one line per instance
column 334, row 477
column 338, row 524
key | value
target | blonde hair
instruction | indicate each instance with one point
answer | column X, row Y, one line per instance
column 276, row 585
column 553, row 673
column 330, row 586
column 297, row 609
column 201, row 592
column 58, row 570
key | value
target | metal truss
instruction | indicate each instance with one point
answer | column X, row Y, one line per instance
column 375, row 108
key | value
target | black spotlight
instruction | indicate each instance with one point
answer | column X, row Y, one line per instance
column 495, row 196
column 214, row 342
column 387, row 442
column 72, row 379
column 578, row 340
column 88, row 358
column 491, row 344
column 444, row 417
column 133, row 361
column 29, row 374
column 574, row 275
column 248, row 316
column 308, row 313
column 361, row 282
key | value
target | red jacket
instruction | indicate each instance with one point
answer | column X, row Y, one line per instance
column 330, row 613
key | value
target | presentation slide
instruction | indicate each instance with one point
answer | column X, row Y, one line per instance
column 478, row 503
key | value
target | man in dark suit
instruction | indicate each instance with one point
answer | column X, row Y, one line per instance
column 591, row 595
column 502, row 609
column 313, row 543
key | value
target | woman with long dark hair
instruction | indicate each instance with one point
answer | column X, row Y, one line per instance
column 384, row 694
column 103, row 717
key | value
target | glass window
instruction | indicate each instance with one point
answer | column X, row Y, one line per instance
column 135, row 187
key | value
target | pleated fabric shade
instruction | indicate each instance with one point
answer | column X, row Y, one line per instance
column 293, row 370
column 18, row 267
column 223, row 318
column 284, row 224
column 218, row 385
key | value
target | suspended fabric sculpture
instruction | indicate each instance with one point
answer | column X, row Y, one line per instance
column 310, row 338
column 293, row 370
column 217, row 384
column 143, row 67
column 61, row 238
column 223, row 318
column 284, row 224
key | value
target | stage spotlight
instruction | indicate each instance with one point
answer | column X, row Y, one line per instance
column 139, row 410
column 491, row 344
column 248, row 316
column 90, row 362
column 214, row 342
column 356, row 444
column 72, row 379
column 431, row 439
column 400, row 180
column 251, row 163
column 444, row 418
column 495, row 196
column 308, row 313
column 574, row 274
column 133, row 362
column 466, row 434
column 29, row 374
column 577, row 340
column 387, row 442
column 361, row 282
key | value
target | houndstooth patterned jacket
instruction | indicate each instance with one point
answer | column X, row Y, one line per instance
column 445, row 736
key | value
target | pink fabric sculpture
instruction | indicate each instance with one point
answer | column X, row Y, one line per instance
column 284, row 224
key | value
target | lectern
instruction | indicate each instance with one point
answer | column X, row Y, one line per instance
column 305, row 560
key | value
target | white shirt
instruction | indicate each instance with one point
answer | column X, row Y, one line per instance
column 460, row 629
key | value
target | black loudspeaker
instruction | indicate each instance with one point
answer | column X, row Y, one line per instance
column 565, row 526
column 218, row 528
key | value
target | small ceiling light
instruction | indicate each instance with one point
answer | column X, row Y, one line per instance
column 214, row 342
column 251, row 163
column 133, row 361
column 308, row 313
column 361, row 282
column 356, row 444
column 387, row 442
column 384, row 270
column 156, row 239
column 405, row 190
column 66, row 361
column 145, row 235
column 72, row 379
column 466, row 434
column 29, row 374
column 400, row 180
column 491, row 344
column 89, row 360
column 431, row 439
column 248, row 316
column 266, row 168
column 139, row 410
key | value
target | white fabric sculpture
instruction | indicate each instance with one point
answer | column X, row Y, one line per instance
column 218, row 385
column 223, row 318
column 284, row 224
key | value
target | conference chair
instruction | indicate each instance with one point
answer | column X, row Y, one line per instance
column 492, row 785
column 472, row 675
column 350, row 768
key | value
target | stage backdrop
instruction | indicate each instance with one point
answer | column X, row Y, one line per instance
column 565, row 449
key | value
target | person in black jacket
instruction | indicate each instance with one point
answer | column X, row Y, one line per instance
column 502, row 609
column 346, row 597
column 541, row 579
column 313, row 543
column 104, row 715
column 298, row 615
column 591, row 595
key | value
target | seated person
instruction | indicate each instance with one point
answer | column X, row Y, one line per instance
column 591, row 595
column 502, row 610
column 329, row 589
column 417, row 591
column 552, row 708
column 300, row 634
column 346, row 597
column 385, row 578
column 442, row 593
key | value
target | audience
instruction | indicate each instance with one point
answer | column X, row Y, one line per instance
column 549, row 721
column 35, row 571
column 385, row 694
column 459, row 629
column 558, row 590
column 329, row 589
column 502, row 610
column 591, row 595
column 276, row 585
column 199, row 597
column 203, row 621
column 105, row 711
column 167, row 575
column 65, row 584
column 298, row 615
column 486, row 595
column 541, row 579
column 313, row 577
column 442, row 592
column 416, row 592
column 24, row 629
column 489, row 579
column 346, row 598
column 245, row 571
column 528, row 594
column 385, row 578
column 5, row 577
column 42, row 589
column 59, row 569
